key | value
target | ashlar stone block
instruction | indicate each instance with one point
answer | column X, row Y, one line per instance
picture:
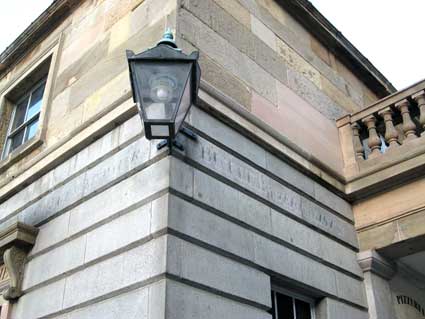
column 187, row 302
column 202, row 266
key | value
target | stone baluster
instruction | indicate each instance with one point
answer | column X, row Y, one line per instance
column 409, row 128
column 357, row 143
column 420, row 99
column 374, row 142
column 391, row 134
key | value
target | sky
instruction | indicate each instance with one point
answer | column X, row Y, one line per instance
column 387, row 32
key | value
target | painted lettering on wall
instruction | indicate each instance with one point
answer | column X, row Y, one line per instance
column 406, row 300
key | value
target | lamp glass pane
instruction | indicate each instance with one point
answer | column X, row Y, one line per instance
column 160, row 130
column 185, row 103
column 161, row 85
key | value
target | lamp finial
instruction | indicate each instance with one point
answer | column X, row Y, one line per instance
column 168, row 38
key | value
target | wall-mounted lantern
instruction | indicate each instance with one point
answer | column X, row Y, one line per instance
column 165, row 83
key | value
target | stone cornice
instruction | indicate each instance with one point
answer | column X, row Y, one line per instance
column 371, row 261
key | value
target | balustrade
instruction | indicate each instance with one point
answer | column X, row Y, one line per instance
column 389, row 123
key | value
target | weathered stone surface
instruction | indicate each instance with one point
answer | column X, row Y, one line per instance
column 293, row 265
column 329, row 308
column 118, row 272
column 31, row 307
column 99, row 148
column 51, row 233
column 187, row 302
column 239, row 172
column 255, row 214
column 239, row 241
column 326, row 197
column 313, row 242
column 351, row 289
column 121, row 196
column 263, row 33
column 231, row 201
column 149, row 13
column 289, row 174
column 227, row 136
column 194, row 31
column 194, row 222
column 54, row 263
column 217, row 76
column 85, row 184
column 301, row 124
column 131, row 305
column 348, row 103
column 240, row 37
column 118, row 233
column 308, row 91
column 297, row 63
column 199, row 265
column 236, row 11
column 139, row 303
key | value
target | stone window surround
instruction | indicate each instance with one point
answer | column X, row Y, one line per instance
column 27, row 147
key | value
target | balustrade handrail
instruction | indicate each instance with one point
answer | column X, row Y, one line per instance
column 388, row 101
column 390, row 122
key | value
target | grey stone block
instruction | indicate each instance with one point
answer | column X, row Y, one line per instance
column 77, row 162
column 130, row 129
column 159, row 214
column 130, row 305
column 313, row 95
column 140, row 303
column 195, row 32
column 118, row 272
column 193, row 263
column 227, row 136
column 121, row 196
column 289, row 174
column 186, row 302
column 40, row 302
column 293, row 265
column 51, row 233
column 54, row 263
column 246, row 209
column 83, row 185
column 333, row 201
column 241, row 173
column 323, row 219
column 351, row 289
column 211, row 229
column 118, row 233
column 231, row 202
column 329, row 308
column 181, row 177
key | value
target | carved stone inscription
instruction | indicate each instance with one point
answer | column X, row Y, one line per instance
column 237, row 171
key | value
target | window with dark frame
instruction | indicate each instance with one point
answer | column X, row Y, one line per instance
column 288, row 306
column 25, row 117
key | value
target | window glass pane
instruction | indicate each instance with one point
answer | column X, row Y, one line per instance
column 19, row 116
column 36, row 100
column 16, row 140
column 285, row 307
column 302, row 309
column 31, row 130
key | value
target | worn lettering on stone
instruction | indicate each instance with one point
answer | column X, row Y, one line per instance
column 265, row 187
